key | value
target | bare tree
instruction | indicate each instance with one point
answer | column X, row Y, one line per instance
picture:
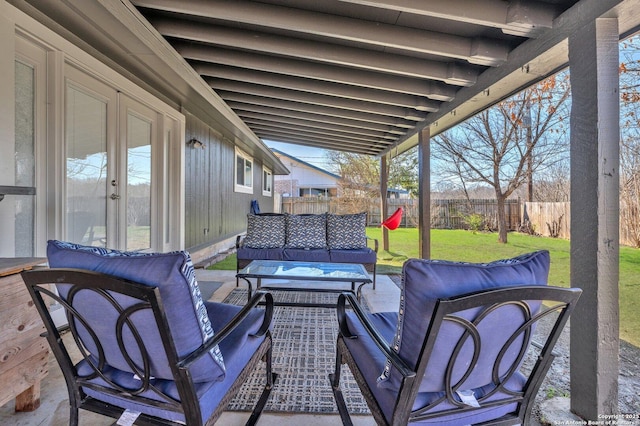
column 555, row 185
column 504, row 146
column 630, row 141
column 361, row 173
column 403, row 171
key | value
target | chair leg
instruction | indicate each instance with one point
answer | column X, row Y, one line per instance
column 374, row 277
column 334, row 379
column 73, row 415
column 266, row 392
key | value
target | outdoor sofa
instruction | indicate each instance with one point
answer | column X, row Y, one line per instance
column 322, row 237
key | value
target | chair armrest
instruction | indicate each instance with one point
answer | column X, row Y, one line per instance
column 375, row 243
column 391, row 355
column 232, row 324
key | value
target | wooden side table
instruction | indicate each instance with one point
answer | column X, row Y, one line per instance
column 24, row 355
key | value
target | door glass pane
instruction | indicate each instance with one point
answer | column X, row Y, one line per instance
column 86, row 177
column 24, row 158
column 138, row 183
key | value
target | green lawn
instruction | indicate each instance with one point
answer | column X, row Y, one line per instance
column 483, row 247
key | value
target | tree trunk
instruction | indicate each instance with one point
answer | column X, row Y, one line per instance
column 502, row 219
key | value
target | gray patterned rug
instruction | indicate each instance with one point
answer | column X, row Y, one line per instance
column 303, row 356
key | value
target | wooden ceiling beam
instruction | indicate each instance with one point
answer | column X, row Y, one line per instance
column 276, row 125
column 285, row 121
column 232, row 99
column 358, row 125
column 419, row 103
column 521, row 18
column 479, row 51
column 322, row 72
column 337, row 146
column 224, row 87
column 452, row 73
column 323, row 142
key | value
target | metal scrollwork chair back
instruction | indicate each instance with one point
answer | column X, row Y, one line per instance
column 470, row 344
column 124, row 354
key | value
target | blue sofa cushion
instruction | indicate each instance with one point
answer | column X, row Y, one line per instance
column 245, row 253
column 174, row 275
column 363, row 255
column 306, row 255
column 306, row 231
column 426, row 281
column 265, row 231
column 346, row 232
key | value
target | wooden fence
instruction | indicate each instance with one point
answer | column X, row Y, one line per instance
column 549, row 219
column 445, row 214
column 546, row 219
column 454, row 214
column 553, row 220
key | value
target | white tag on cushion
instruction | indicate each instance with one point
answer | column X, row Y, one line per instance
column 128, row 418
column 468, row 398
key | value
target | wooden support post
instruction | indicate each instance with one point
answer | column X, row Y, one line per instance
column 424, row 193
column 384, row 204
column 595, row 138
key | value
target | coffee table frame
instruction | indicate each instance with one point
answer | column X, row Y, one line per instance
column 328, row 272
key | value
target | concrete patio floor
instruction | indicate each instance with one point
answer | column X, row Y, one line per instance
column 54, row 408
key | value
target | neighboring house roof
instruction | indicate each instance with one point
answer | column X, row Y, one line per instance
column 319, row 169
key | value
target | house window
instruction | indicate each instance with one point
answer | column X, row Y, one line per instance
column 267, row 181
column 244, row 173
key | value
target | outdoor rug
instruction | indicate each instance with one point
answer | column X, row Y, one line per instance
column 303, row 356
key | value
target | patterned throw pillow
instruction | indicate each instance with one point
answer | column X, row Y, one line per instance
column 306, row 231
column 346, row 232
column 265, row 231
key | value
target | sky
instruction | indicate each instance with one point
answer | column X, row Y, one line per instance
column 308, row 154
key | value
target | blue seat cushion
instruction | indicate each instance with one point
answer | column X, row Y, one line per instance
column 370, row 360
column 174, row 276
column 361, row 255
column 307, row 255
column 247, row 253
column 426, row 281
column 238, row 347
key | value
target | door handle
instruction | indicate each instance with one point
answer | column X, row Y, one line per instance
column 114, row 196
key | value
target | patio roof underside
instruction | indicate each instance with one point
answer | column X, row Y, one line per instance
column 355, row 75
column 366, row 76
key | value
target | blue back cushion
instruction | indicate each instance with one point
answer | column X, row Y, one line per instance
column 174, row 276
column 426, row 281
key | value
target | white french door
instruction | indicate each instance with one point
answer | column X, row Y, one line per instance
column 138, row 128
column 109, row 140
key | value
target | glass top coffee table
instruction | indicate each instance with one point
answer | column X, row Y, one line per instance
column 260, row 270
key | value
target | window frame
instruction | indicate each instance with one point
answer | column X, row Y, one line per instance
column 267, row 178
column 243, row 187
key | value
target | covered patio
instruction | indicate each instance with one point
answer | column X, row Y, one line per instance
column 378, row 78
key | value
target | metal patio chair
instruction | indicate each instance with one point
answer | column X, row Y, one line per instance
column 453, row 355
column 148, row 346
